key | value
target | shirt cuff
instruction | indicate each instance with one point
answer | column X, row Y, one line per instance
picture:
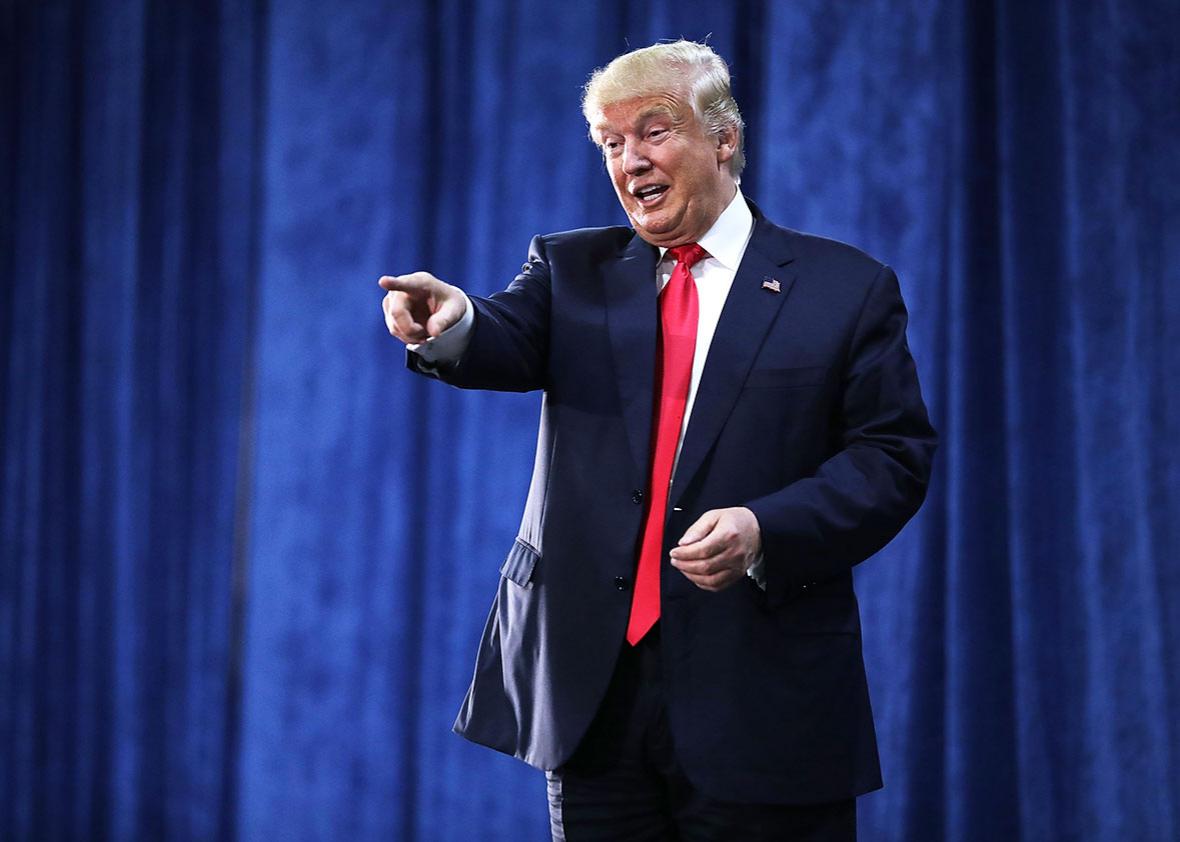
column 757, row 571
column 446, row 348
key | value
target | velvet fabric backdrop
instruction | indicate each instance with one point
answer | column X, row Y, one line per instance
column 246, row 557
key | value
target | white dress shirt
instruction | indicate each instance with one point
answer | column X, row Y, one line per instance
column 725, row 243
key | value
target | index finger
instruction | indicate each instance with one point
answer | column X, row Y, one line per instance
column 415, row 282
column 707, row 547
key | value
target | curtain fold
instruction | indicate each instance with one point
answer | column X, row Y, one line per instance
column 128, row 278
column 247, row 558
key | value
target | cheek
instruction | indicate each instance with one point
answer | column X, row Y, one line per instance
column 617, row 177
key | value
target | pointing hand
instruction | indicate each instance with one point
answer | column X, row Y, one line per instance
column 419, row 306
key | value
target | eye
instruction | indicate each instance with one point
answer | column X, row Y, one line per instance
column 656, row 134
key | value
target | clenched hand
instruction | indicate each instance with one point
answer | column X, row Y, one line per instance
column 717, row 550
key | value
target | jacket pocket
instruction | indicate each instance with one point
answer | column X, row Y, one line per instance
column 519, row 565
column 786, row 378
column 809, row 614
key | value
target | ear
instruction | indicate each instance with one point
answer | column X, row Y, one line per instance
column 727, row 144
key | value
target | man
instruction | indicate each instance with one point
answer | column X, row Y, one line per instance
column 731, row 421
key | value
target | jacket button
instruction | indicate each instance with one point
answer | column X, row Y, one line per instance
column 621, row 583
column 637, row 496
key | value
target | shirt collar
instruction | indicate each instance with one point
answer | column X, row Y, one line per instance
column 726, row 240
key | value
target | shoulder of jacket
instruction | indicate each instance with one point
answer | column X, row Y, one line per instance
column 588, row 241
column 833, row 254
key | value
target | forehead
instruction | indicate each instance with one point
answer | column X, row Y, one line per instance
column 629, row 114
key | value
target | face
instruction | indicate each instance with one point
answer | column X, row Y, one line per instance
column 672, row 178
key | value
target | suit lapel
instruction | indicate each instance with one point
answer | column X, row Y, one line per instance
column 749, row 311
column 632, row 320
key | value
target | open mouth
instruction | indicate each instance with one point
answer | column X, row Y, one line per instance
column 650, row 195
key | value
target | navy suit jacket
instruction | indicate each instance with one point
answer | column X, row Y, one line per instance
column 808, row 413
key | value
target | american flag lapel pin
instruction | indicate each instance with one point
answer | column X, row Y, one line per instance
column 772, row 285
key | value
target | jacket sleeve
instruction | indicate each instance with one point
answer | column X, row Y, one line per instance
column 862, row 495
column 509, row 343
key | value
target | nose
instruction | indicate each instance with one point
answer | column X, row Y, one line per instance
column 634, row 161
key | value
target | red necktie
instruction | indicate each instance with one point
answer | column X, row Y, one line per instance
column 675, row 346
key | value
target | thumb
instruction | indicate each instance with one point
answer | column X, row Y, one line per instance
column 449, row 313
column 703, row 526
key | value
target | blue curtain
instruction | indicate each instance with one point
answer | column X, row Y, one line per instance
column 246, row 557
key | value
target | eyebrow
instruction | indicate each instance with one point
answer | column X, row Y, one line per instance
column 655, row 111
column 643, row 117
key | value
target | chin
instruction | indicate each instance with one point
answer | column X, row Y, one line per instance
column 655, row 236
column 655, row 227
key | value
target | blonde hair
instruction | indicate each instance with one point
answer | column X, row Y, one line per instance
column 687, row 69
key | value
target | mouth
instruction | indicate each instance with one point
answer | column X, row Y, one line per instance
column 649, row 195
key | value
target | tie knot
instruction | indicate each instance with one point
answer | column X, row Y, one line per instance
column 688, row 254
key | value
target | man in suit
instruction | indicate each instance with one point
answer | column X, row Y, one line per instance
column 731, row 421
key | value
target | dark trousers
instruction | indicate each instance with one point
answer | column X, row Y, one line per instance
column 623, row 783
